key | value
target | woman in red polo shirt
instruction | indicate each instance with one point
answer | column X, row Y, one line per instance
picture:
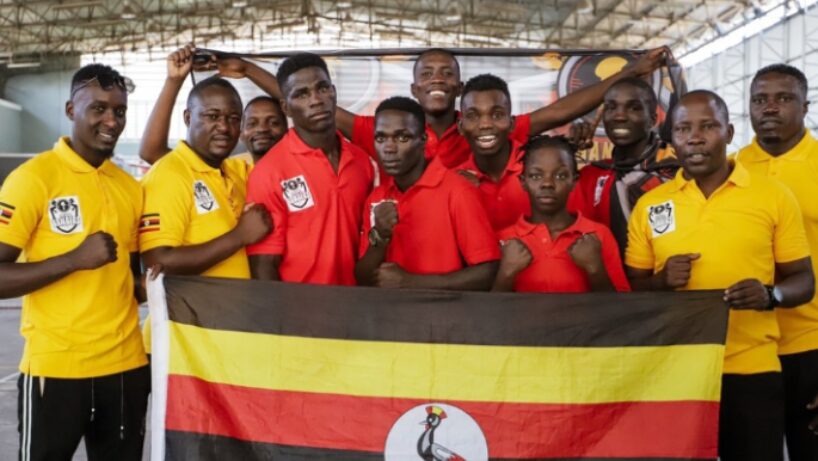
column 552, row 250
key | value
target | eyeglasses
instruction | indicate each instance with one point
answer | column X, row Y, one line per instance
column 106, row 82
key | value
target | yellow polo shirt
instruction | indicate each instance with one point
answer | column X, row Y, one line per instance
column 744, row 228
column 798, row 170
column 86, row 324
column 188, row 202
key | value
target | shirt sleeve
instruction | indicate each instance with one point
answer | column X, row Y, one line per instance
column 522, row 128
column 612, row 261
column 23, row 199
column 138, row 204
column 790, row 239
column 476, row 239
column 366, row 225
column 263, row 188
column 639, row 253
column 167, row 201
column 363, row 134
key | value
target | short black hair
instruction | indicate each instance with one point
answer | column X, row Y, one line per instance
column 436, row 51
column 720, row 104
column 297, row 62
column 198, row 89
column 486, row 82
column 640, row 84
column 89, row 72
column 274, row 101
column 784, row 69
column 404, row 104
column 547, row 141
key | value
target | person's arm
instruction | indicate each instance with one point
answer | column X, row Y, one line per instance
column 386, row 217
column 794, row 279
column 473, row 278
column 254, row 224
column 516, row 257
column 583, row 101
column 234, row 67
column 154, row 143
column 265, row 267
column 18, row 279
column 586, row 251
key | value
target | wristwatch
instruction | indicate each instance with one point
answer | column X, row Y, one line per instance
column 375, row 238
column 775, row 296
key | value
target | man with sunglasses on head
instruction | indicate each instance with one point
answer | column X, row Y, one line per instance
column 68, row 242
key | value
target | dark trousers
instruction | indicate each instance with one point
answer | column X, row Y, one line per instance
column 751, row 426
column 800, row 373
column 109, row 411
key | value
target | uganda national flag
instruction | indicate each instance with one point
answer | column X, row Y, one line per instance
column 149, row 223
column 6, row 213
column 248, row 370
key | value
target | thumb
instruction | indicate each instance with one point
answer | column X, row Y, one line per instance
column 247, row 206
column 693, row 256
column 387, row 265
column 814, row 404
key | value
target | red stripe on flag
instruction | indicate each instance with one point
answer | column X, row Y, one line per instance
column 5, row 213
column 686, row 429
column 3, row 221
column 148, row 229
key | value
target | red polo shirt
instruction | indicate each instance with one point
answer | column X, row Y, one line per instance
column 505, row 200
column 316, row 212
column 552, row 270
column 592, row 193
column 452, row 148
column 442, row 226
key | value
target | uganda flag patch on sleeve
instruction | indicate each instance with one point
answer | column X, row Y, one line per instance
column 149, row 223
column 6, row 213
column 253, row 370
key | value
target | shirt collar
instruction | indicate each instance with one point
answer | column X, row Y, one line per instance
column 452, row 129
column 513, row 167
column 192, row 158
column 739, row 177
column 432, row 177
column 581, row 225
column 78, row 164
column 755, row 153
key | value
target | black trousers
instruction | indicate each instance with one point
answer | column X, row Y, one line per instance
column 55, row 414
column 751, row 426
column 800, row 373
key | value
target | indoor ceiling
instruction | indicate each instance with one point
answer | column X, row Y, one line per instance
column 30, row 29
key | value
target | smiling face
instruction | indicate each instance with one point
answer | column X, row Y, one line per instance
column 627, row 116
column 310, row 100
column 436, row 83
column 262, row 126
column 701, row 134
column 548, row 178
column 486, row 121
column 214, row 121
column 98, row 117
column 778, row 106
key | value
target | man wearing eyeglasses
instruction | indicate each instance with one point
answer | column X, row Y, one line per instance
column 73, row 216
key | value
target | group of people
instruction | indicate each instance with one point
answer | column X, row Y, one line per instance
column 420, row 195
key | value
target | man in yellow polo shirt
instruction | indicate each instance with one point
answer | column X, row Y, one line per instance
column 73, row 216
column 785, row 150
column 194, row 219
column 716, row 226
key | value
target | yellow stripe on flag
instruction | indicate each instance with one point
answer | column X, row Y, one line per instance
column 447, row 371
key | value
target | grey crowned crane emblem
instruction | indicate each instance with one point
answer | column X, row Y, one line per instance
column 428, row 450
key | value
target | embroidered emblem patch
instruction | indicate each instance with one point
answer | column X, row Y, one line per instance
column 297, row 193
column 65, row 215
column 205, row 201
column 662, row 218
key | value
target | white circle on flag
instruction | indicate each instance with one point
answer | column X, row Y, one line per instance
column 438, row 429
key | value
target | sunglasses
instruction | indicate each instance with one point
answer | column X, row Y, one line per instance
column 106, row 82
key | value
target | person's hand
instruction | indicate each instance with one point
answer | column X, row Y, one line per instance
column 97, row 250
column 647, row 63
column 515, row 257
column 747, row 294
column 386, row 217
column 255, row 223
column 581, row 135
column 470, row 176
column 226, row 66
column 391, row 275
column 813, row 425
column 586, row 251
column 676, row 272
column 180, row 62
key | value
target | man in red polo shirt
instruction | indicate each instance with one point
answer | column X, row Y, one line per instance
column 607, row 190
column 436, row 86
column 314, row 184
column 494, row 166
column 425, row 227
